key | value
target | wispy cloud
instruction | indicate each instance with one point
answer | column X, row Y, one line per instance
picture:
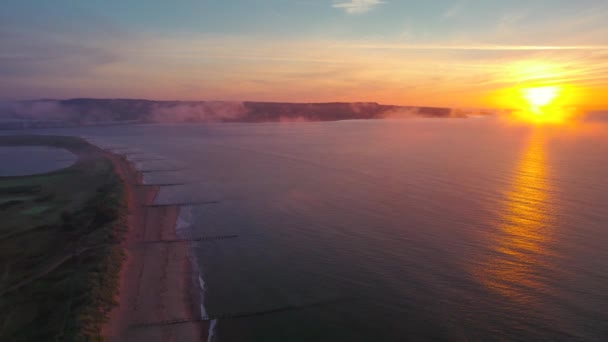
column 475, row 47
column 358, row 6
column 352, row 70
column 36, row 53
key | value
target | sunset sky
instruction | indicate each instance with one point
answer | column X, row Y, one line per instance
column 469, row 53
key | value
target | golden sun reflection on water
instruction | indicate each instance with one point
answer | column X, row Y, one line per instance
column 523, row 228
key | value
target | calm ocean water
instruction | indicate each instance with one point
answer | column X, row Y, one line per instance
column 404, row 230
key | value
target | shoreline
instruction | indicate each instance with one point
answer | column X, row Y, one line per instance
column 156, row 279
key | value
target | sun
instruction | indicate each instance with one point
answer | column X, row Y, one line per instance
column 540, row 93
column 541, row 104
column 540, row 96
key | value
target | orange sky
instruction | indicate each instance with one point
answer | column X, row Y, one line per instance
column 455, row 53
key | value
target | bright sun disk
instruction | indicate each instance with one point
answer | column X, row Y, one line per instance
column 541, row 96
column 543, row 105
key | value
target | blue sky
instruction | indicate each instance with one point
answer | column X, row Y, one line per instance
column 433, row 52
column 297, row 19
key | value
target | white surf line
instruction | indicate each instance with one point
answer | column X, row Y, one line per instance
column 185, row 221
column 212, row 328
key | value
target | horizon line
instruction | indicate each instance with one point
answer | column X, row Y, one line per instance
column 285, row 102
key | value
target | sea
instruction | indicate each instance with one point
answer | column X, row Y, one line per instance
column 387, row 230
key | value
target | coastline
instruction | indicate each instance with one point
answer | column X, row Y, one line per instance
column 156, row 279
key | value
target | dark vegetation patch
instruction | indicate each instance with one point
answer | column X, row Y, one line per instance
column 60, row 255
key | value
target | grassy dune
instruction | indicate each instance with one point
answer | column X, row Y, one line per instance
column 59, row 246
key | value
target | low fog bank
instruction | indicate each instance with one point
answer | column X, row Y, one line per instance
column 78, row 112
column 404, row 112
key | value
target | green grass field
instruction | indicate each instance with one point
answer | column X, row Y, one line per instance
column 59, row 246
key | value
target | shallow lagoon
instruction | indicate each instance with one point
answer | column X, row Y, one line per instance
column 31, row 160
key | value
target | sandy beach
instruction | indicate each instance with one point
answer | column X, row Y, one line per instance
column 156, row 282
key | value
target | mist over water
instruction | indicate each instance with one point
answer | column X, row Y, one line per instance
column 422, row 229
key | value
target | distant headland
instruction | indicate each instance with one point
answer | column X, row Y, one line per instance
column 79, row 112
